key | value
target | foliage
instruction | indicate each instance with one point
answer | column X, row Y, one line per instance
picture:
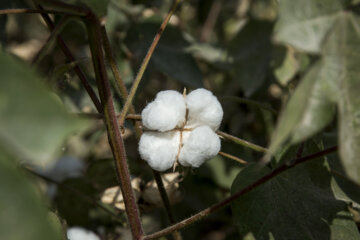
column 284, row 71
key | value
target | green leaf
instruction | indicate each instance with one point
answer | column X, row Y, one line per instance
column 170, row 56
column 297, row 204
column 251, row 52
column 333, row 79
column 222, row 174
column 343, row 188
column 24, row 214
column 312, row 105
column 286, row 64
column 349, row 103
column 309, row 109
column 305, row 24
column 209, row 53
column 178, row 65
column 33, row 123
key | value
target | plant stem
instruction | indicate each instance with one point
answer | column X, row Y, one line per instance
column 27, row 10
column 71, row 58
column 50, row 40
column 145, row 63
column 232, row 157
column 166, row 202
column 135, row 117
column 138, row 130
column 235, row 196
column 115, row 139
column 64, row 7
column 210, row 21
column 118, row 79
column 242, row 142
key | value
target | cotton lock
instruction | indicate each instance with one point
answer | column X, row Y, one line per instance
column 201, row 144
column 179, row 127
column 159, row 149
column 165, row 113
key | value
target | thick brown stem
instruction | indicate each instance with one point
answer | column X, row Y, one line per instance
column 115, row 139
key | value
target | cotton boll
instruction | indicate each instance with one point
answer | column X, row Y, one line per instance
column 78, row 233
column 204, row 109
column 159, row 150
column 166, row 112
column 199, row 145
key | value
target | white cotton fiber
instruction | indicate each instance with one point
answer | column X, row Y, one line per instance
column 159, row 149
column 166, row 112
column 204, row 109
column 201, row 144
column 78, row 233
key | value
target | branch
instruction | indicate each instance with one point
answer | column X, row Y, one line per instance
column 232, row 157
column 241, row 142
column 120, row 85
column 115, row 139
column 235, row 196
column 145, row 63
column 166, row 202
column 26, row 10
column 71, row 58
column 64, row 7
column 210, row 21
column 49, row 41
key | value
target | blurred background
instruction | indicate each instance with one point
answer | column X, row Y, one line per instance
column 224, row 46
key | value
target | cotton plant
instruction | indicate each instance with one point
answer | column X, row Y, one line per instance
column 180, row 128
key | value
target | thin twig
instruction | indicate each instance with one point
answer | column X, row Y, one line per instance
column 210, row 21
column 64, row 7
column 241, row 142
column 71, row 58
column 235, row 196
column 115, row 139
column 232, row 157
column 300, row 150
column 26, row 10
column 166, row 202
column 135, row 117
column 145, row 63
column 54, row 34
